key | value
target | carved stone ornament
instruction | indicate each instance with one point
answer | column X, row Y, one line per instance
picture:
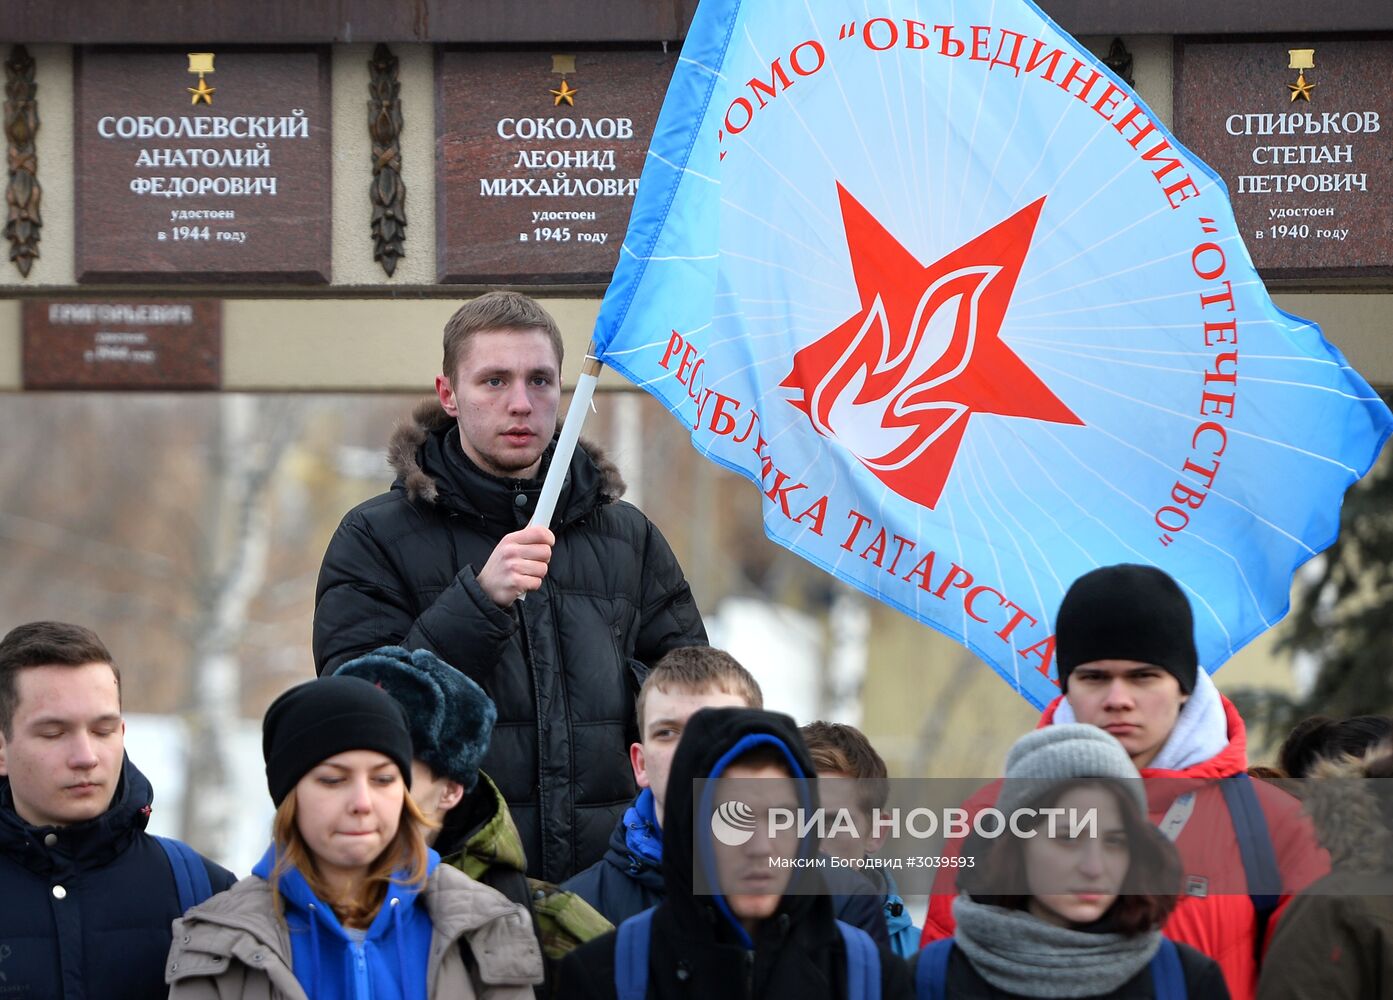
column 388, row 192
column 1119, row 60
column 23, row 222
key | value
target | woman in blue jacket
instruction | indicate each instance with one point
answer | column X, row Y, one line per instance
column 348, row 902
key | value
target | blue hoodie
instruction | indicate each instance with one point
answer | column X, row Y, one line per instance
column 643, row 834
column 795, row 953
column 904, row 936
column 705, row 846
column 629, row 879
column 388, row 964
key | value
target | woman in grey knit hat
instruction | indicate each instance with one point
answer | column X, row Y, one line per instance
column 1067, row 902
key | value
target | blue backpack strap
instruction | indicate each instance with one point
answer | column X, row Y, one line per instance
column 862, row 963
column 631, row 956
column 1167, row 976
column 1255, row 847
column 931, row 972
column 190, row 873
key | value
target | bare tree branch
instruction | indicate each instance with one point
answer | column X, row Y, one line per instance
column 254, row 435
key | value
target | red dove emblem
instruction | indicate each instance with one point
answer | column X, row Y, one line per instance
column 898, row 382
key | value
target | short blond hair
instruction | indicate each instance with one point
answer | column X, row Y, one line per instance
column 699, row 670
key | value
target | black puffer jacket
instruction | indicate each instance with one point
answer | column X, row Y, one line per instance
column 85, row 910
column 563, row 666
column 697, row 949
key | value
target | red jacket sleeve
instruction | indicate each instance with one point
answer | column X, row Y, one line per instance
column 1301, row 859
column 939, row 923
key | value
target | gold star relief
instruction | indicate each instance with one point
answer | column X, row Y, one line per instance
column 567, row 93
column 202, row 92
column 1301, row 88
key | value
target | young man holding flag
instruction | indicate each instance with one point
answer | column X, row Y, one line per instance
column 440, row 561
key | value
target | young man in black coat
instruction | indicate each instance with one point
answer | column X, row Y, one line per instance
column 735, row 923
column 86, row 896
column 440, row 560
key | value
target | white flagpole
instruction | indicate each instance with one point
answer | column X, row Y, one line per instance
column 570, row 432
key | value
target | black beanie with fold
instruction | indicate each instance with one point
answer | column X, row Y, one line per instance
column 316, row 720
column 1127, row 612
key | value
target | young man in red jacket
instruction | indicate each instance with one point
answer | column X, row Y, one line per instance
column 1125, row 651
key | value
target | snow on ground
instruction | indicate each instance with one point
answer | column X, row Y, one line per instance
column 157, row 744
column 783, row 648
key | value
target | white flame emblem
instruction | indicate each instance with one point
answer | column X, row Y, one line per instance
column 859, row 423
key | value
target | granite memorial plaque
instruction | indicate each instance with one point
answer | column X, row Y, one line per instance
column 143, row 344
column 203, row 166
column 1301, row 130
column 538, row 160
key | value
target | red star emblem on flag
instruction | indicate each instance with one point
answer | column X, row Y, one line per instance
column 898, row 382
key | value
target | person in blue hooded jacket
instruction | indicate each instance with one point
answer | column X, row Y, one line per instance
column 348, row 902
column 629, row 878
column 746, row 913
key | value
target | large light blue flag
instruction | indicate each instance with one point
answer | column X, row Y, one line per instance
column 975, row 323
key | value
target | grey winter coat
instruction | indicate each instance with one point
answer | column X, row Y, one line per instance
column 234, row 947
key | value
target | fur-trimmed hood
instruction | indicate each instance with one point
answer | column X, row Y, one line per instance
column 428, row 417
column 1345, row 808
column 561, row 667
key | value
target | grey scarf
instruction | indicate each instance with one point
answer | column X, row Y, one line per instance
column 1017, row 953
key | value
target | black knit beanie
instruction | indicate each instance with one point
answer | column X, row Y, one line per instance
column 316, row 720
column 1127, row 612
